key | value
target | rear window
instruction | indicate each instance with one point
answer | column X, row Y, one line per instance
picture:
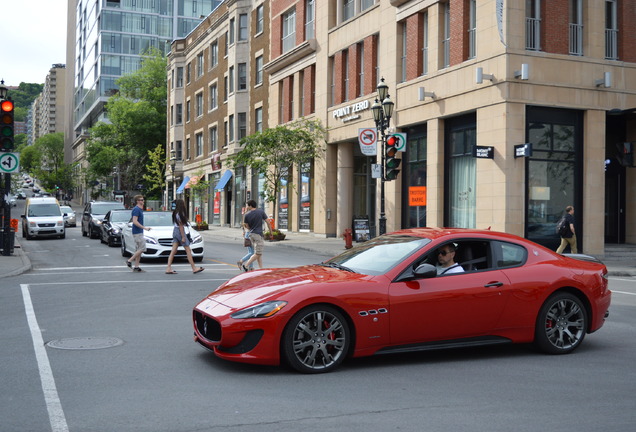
column 43, row 210
column 103, row 208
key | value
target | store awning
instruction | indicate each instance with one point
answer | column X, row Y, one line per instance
column 185, row 181
column 194, row 180
column 227, row 175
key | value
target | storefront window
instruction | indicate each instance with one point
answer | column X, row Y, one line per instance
column 363, row 189
column 304, row 211
column 415, row 180
column 461, row 172
column 553, row 178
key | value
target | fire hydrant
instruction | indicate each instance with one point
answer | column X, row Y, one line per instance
column 348, row 238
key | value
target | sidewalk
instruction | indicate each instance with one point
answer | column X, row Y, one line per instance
column 19, row 263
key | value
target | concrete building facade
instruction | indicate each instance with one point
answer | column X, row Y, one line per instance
column 512, row 111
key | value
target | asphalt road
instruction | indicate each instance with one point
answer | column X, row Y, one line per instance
column 151, row 376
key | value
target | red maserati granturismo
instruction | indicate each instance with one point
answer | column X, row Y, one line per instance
column 395, row 293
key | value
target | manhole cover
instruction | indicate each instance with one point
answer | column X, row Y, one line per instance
column 85, row 343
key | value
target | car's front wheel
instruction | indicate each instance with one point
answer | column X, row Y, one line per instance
column 561, row 324
column 124, row 253
column 316, row 339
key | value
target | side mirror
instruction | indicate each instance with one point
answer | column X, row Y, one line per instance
column 425, row 271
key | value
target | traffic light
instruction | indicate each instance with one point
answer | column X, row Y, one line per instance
column 391, row 163
column 7, row 140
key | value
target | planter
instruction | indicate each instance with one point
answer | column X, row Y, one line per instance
column 201, row 228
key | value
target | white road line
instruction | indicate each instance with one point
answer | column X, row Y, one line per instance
column 136, row 281
column 51, row 398
column 622, row 292
column 120, row 267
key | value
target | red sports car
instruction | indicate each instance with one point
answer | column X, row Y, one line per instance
column 391, row 294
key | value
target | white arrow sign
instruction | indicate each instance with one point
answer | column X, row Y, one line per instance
column 9, row 163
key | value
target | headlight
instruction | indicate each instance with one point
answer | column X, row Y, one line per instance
column 114, row 230
column 60, row 222
column 197, row 239
column 97, row 221
column 263, row 310
column 150, row 240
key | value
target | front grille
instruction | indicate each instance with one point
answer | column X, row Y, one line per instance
column 207, row 327
column 46, row 225
column 166, row 242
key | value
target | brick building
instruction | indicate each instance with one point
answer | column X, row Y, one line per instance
column 512, row 111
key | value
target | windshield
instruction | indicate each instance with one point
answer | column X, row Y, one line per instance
column 41, row 210
column 158, row 219
column 120, row 216
column 105, row 208
column 379, row 255
column 66, row 209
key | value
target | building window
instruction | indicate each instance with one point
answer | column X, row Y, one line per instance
column 461, row 174
column 242, row 34
column 187, row 148
column 199, row 65
column 213, row 97
column 188, row 67
column 231, row 128
column 225, row 139
column 225, row 88
column 187, row 111
column 179, row 149
column 179, row 113
column 212, row 132
column 242, row 125
column 179, row 77
column 258, row 120
column 231, row 31
column 332, row 86
column 199, row 104
column 214, row 54
column 611, row 30
column 533, row 25
column 576, row 27
column 242, row 76
column 259, row 19
column 289, row 30
column 360, row 52
column 348, row 9
column 425, row 45
column 199, row 144
column 230, row 75
column 366, row 4
column 310, row 19
column 259, row 70
column 472, row 29
column 345, row 73
column 446, row 38
column 404, row 48
column 415, row 178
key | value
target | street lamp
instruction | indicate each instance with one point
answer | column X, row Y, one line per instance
column 382, row 112
column 3, row 90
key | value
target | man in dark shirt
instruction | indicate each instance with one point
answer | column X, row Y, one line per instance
column 254, row 220
column 570, row 237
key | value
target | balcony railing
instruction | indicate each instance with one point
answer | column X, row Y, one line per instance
column 611, row 44
column 533, row 34
column 576, row 39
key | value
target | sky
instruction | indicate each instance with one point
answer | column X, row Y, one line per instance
column 33, row 39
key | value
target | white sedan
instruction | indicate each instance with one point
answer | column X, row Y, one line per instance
column 159, row 238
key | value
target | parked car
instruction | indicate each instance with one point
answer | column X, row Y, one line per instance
column 21, row 195
column 112, row 226
column 159, row 238
column 69, row 216
column 384, row 296
column 42, row 218
column 93, row 215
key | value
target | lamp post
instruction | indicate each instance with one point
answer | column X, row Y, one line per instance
column 382, row 112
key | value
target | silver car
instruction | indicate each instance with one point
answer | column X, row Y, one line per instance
column 69, row 218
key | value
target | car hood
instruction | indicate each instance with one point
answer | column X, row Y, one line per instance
column 269, row 284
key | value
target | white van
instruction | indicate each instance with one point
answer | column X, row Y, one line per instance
column 42, row 218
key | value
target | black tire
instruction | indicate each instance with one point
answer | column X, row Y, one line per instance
column 23, row 233
column 124, row 253
column 84, row 234
column 92, row 233
column 63, row 235
column 561, row 324
column 197, row 259
column 109, row 242
column 316, row 340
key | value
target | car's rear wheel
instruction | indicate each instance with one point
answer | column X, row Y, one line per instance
column 561, row 324
column 316, row 339
column 84, row 233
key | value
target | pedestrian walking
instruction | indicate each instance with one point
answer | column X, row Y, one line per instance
column 248, row 244
column 138, row 229
column 180, row 237
column 567, row 231
column 253, row 220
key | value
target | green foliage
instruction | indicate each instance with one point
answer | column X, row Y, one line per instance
column 23, row 97
column 45, row 159
column 156, row 171
column 137, row 116
column 273, row 152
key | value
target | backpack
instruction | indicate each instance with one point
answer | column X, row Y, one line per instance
column 563, row 228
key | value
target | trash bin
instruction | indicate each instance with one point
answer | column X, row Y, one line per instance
column 11, row 234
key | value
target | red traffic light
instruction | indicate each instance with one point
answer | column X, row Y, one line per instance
column 7, row 106
column 392, row 140
column 6, row 126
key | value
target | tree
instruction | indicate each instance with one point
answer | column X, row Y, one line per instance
column 45, row 158
column 273, row 152
column 156, row 172
column 137, row 123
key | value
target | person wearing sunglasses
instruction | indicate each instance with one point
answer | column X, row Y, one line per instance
column 446, row 260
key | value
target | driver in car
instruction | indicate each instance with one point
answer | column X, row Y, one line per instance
column 446, row 260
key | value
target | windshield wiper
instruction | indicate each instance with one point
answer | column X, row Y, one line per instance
column 338, row 266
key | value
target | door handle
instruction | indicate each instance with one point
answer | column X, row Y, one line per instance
column 493, row 284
